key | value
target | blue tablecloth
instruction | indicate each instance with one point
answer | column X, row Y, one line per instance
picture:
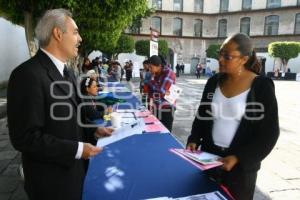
column 140, row 167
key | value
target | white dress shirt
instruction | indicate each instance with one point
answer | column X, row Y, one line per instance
column 227, row 113
column 60, row 66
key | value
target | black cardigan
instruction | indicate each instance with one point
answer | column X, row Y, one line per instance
column 254, row 139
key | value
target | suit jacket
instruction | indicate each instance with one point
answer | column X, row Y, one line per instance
column 254, row 139
column 37, row 104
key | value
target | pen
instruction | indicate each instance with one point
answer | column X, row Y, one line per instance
column 133, row 125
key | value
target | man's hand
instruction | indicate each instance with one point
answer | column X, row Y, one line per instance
column 90, row 151
column 191, row 146
column 229, row 162
column 167, row 92
column 103, row 131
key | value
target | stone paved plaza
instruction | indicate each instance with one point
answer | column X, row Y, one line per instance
column 279, row 177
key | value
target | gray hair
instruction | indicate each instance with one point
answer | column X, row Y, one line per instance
column 50, row 20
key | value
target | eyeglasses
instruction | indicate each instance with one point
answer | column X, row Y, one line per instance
column 226, row 56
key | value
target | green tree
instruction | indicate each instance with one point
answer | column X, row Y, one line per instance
column 285, row 51
column 103, row 21
column 142, row 47
column 212, row 51
column 163, row 48
column 100, row 22
column 125, row 44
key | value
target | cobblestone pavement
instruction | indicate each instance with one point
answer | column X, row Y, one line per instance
column 279, row 177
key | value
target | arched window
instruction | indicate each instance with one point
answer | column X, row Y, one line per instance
column 198, row 27
column 157, row 4
column 198, row 6
column 247, row 5
column 177, row 26
column 297, row 24
column 224, row 5
column 273, row 3
column 271, row 25
column 245, row 25
column 177, row 5
column 156, row 23
column 222, row 29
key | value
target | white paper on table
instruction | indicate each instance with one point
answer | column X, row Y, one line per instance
column 175, row 91
column 207, row 196
column 127, row 115
column 128, row 130
column 126, row 121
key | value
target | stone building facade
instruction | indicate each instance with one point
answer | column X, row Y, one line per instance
column 190, row 26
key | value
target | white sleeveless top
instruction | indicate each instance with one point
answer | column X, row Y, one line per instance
column 227, row 114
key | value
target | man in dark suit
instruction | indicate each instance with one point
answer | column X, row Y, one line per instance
column 42, row 113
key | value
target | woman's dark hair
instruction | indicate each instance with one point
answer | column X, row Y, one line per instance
column 245, row 47
column 86, row 82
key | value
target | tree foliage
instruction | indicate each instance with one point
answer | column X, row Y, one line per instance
column 284, row 50
column 100, row 22
column 212, row 51
column 125, row 44
column 163, row 48
column 142, row 47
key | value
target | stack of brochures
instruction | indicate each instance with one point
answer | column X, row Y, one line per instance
column 200, row 159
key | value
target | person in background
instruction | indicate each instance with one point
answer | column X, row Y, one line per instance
column 87, row 65
column 162, row 79
column 237, row 118
column 182, row 68
column 145, row 77
column 198, row 70
column 128, row 70
column 177, row 70
column 42, row 113
column 122, row 73
column 208, row 72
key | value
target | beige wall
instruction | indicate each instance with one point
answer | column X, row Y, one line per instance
column 187, row 47
column 210, row 23
column 213, row 6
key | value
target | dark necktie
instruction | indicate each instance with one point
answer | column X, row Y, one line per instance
column 66, row 73
column 67, row 77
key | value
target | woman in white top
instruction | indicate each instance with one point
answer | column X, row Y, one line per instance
column 237, row 118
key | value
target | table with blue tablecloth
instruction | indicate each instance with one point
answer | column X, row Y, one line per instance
column 142, row 166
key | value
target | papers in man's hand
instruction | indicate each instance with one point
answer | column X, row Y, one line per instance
column 175, row 91
column 200, row 159
column 125, row 131
column 207, row 196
